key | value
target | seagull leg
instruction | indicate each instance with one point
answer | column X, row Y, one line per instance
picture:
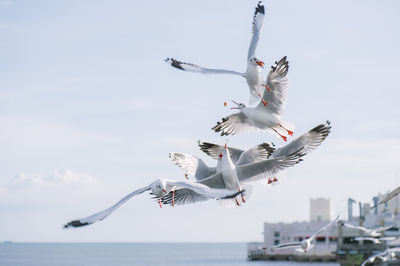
column 275, row 180
column 237, row 202
column 266, row 86
column 186, row 176
column 283, row 137
column 288, row 131
column 159, row 203
column 262, row 100
column 269, row 181
column 243, row 200
column 173, row 198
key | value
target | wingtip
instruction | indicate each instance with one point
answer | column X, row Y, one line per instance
column 74, row 223
column 260, row 8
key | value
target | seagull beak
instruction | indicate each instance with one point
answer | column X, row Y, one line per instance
column 164, row 191
column 260, row 63
column 236, row 104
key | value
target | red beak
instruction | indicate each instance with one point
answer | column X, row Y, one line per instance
column 260, row 63
column 164, row 191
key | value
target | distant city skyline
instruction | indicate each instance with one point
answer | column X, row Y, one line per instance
column 89, row 111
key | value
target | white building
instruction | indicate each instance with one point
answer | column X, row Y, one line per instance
column 320, row 209
column 280, row 233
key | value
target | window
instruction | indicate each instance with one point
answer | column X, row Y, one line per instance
column 276, row 234
column 276, row 242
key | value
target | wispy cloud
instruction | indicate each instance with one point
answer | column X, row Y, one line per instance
column 58, row 178
column 5, row 3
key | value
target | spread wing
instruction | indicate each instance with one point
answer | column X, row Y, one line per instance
column 256, row 171
column 213, row 150
column 197, row 192
column 234, row 124
column 278, row 84
column 383, row 229
column 195, row 68
column 324, row 228
column 390, row 196
column 193, row 165
column 355, row 227
column 103, row 214
column 258, row 20
column 256, row 154
column 306, row 142
column 286, row 245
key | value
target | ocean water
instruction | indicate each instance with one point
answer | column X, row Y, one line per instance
column 132, row 254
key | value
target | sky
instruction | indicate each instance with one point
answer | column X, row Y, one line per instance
column 89, row 111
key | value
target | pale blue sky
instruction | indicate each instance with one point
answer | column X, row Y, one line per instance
column 89, row 110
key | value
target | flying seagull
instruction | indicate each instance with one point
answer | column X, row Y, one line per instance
column 261, row 117
column 388, row 254
column 158, row 188
column 368, row 232
column 306, row 143
column 375, row 240
column 388, row 197
column 253, row 74
column 232, row 177
column 306, row 244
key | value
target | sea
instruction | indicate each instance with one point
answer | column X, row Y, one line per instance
column 132, row 254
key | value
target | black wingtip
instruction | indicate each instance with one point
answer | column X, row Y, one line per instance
column 175, row 63
column 74, row 223
column 260, row 8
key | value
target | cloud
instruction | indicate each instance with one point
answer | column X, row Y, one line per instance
column 5, row 4
column 58, row 178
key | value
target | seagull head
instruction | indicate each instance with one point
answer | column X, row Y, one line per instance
column 255, row 61
column 159, row 188
column 240, row 106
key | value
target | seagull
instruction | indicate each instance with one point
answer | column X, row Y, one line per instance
column 231, row 177
column 196, row 167
column 261, row 117
column 159, row 188
column 199, row 169
column 368, row 232
column 306, row 143
column 375, row 240
column 388, row 254
column 306, row 244
column 388, row 197
column 253, row 74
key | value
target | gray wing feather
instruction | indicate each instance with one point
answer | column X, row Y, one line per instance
column 286, row 245
column 103, row 214
column 258, row 20
column 234, row 124
column 256, row 154
column 195, row 68
column 278, row 83
column 213, row 150
column 306, row 142
column 256, row 171
column 193, row 165
column 183, row 196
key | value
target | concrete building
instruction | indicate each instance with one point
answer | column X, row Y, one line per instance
column 320, row 209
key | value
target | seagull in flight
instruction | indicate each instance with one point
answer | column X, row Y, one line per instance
column 368, row 232
column 234, row 177
column 158, row 188
column 306, row 244
column 261, row 117
column 375, row 240
column 388, row 254
column 199, row 169
column 388, row 197
column 253, row 74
